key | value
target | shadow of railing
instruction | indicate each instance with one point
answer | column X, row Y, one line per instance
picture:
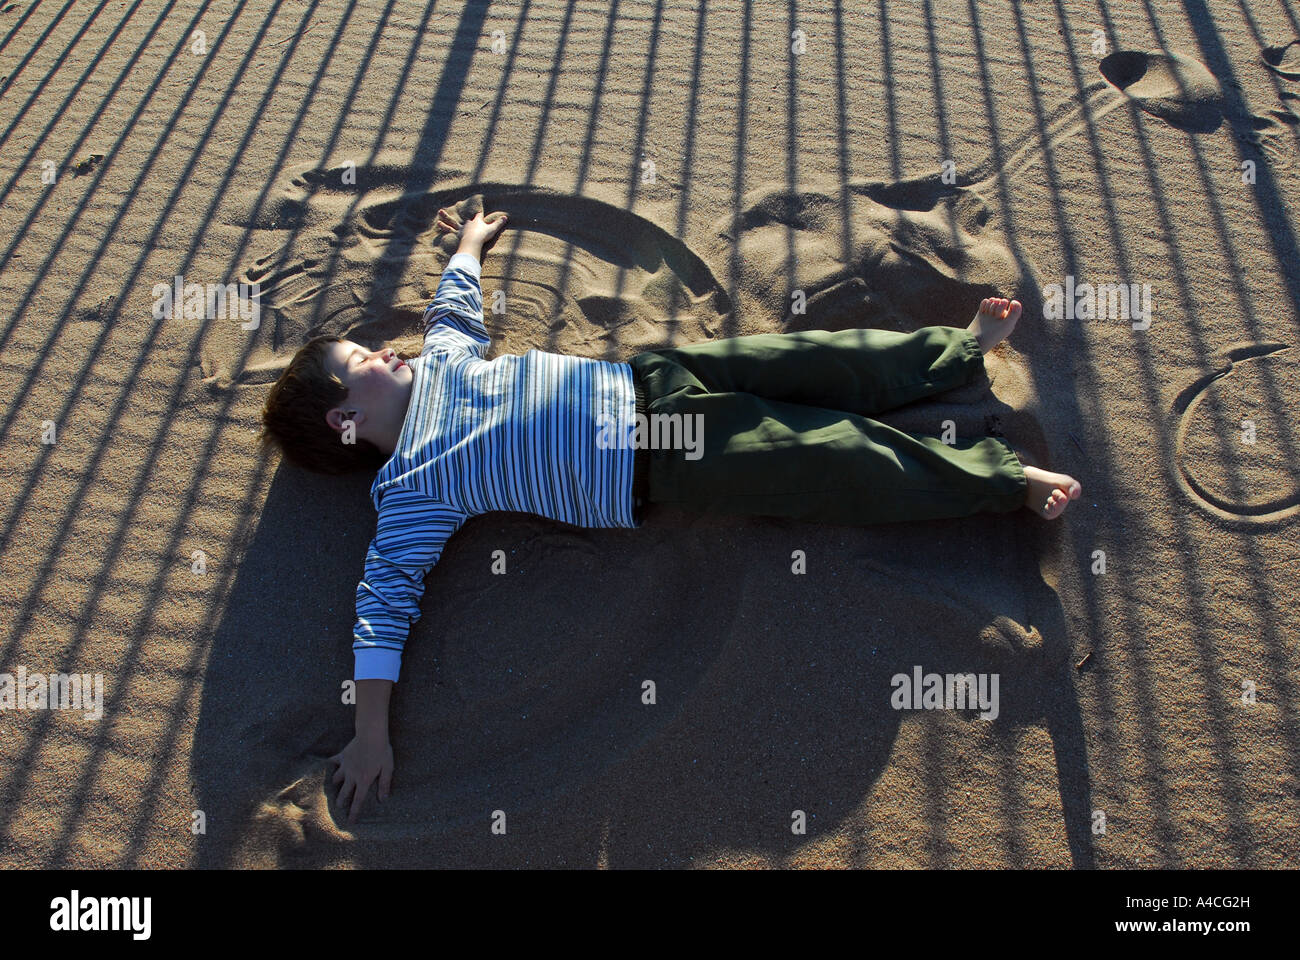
column 801, row 732
column 1027, row 673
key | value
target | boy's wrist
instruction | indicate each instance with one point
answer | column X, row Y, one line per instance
column 473, row 247
column 372, row 730
column 371, row 726
column 372, row 707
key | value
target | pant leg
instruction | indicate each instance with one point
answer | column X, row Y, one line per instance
column 741, row 453
column 859, row 370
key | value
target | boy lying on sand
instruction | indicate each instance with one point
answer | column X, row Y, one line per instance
column 781, row 422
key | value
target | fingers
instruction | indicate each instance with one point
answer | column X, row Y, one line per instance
column 385, row 780
column 486, row 227
column 362, row 789
column 345, row 791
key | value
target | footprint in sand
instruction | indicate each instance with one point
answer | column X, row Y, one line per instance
column 1284, row 60
column 1272, row 134
column 364, row 261
column 1182, row 91
column 1242, row 473
column 1168, row 85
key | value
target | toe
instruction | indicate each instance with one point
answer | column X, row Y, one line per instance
column 1014, row 310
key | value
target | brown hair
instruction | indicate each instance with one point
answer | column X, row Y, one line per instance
column 294, row 416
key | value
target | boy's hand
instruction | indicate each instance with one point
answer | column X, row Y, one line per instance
column 367, row 757
column 479, row 230
column 483, row 230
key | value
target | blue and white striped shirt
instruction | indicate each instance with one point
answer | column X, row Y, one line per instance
column 515, row 433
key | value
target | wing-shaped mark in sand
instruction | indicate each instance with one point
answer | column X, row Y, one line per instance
column 1260, row 485
column 919, row 254
column 580, row 276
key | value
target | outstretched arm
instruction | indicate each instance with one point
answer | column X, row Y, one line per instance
column 409, row 538
column 454, row 319
column 369, row 756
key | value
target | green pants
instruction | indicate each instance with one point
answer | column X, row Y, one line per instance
column 783, row 428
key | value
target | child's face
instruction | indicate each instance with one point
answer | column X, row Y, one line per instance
column 378, row 382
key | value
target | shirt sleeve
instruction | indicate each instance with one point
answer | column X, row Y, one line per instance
column 454, row 318
column 409, row 538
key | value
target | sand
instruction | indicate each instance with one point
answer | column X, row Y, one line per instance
column 672, row 175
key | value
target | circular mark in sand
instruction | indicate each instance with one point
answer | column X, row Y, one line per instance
column 1168, row 85
column 1236, row 472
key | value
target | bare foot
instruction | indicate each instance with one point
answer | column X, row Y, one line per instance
column 996, row 319
column 1050, row 493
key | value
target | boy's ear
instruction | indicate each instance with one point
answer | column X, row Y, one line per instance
column 337, row 418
